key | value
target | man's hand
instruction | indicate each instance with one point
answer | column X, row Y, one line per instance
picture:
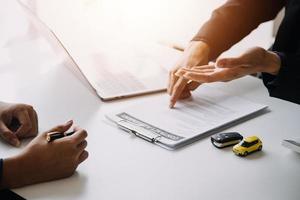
column 42, row 161
column 179, row 87
column 226, row 69
column 17, row 121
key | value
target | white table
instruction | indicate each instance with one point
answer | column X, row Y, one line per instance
column 35, row 70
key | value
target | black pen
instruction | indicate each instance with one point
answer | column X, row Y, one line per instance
column 56, row 135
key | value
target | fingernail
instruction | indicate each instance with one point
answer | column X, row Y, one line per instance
column 16, row 142
column 171, row 105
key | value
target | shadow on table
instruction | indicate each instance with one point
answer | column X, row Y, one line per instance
column 69, row 188
column 255, row 155
column 251, row 156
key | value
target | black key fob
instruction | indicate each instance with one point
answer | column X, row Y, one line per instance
column 221, row 140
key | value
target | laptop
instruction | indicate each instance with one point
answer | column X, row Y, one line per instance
column 113, row 64
column 119, row 70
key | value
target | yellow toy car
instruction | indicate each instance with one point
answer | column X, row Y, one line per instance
column 247, row 145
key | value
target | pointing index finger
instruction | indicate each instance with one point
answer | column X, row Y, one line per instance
column 172, row 79
column 177, row 90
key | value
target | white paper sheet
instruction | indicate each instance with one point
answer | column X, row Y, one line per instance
column 209, row 109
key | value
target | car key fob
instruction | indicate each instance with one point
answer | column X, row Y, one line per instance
column 221, row 140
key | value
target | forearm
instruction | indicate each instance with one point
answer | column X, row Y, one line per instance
column 11, row 174
column 233, row 21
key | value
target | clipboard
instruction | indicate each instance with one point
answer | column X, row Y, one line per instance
column 209, row 111
column 145, row 130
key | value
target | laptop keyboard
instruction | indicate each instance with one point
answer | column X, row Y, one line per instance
column 122, row 83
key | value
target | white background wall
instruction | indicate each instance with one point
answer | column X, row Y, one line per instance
column 172, row 21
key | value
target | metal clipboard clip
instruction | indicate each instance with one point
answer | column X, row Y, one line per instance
column 131, row 128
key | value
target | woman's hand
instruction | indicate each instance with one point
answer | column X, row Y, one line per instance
column 42, row 161
column 226, row 69
column 17, row 121
column 179, row 87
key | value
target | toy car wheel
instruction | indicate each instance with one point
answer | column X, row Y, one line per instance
column 259, row 148
column 246, row 153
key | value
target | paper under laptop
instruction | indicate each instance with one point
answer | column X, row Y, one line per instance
column 209, row 109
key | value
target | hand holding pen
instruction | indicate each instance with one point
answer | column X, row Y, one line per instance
column 44, row 161
column 57, row 135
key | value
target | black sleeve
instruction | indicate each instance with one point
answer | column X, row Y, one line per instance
column 234, row 20
column 1, row 169
column 285, row 84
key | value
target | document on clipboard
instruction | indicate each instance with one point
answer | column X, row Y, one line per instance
column 192, row 119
